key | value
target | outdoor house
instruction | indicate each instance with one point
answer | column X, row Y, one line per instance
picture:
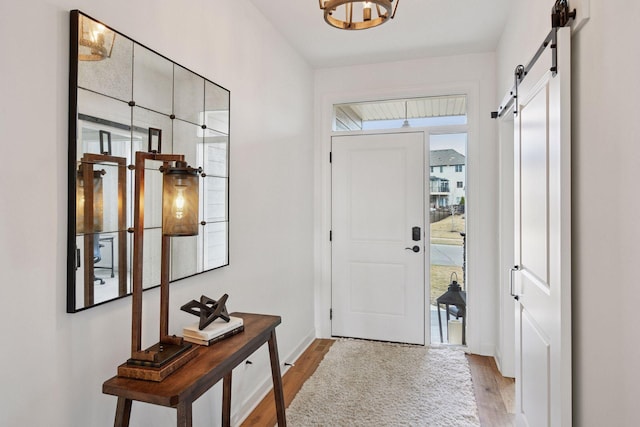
column 447, row 178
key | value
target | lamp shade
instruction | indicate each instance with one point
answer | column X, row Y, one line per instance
column 180, row 190
column 85, row 191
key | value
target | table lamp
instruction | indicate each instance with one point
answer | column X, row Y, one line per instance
column 179, row 218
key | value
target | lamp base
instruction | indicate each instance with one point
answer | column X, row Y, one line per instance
column 170, row 358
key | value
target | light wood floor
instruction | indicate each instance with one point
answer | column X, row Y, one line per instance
column 494, row 394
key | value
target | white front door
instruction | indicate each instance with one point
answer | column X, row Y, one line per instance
column 378, row 259
column 543, row 241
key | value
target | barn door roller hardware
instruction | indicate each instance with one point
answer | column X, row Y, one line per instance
column 561, row 16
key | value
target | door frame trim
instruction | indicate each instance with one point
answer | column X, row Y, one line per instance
column 505, row 345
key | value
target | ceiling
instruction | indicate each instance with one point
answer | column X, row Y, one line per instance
column 421, row 28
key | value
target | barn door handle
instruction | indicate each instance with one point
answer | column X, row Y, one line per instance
column 511, row 271
column 416, row 248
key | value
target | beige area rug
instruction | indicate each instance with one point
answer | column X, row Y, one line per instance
column 365, row 383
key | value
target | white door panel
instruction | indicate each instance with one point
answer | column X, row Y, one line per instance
column 533, row 184
column 377, row 197
column 535, row 366
column 543, row 241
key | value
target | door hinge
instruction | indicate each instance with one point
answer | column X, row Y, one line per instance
column 330, row 235
column 331, row 314
column 330, row 156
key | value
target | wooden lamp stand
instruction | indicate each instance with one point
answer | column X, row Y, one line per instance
column 89, row 222
column 171, row 352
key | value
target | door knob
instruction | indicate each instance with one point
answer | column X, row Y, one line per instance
column 416, row 248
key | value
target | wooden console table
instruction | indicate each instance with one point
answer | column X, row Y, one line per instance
column 180, row 389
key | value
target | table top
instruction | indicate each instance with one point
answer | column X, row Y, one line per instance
column 208, row 367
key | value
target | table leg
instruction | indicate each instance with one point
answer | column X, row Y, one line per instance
column 277, row 380
column 226, row 400
column 448, row 318
column 184, row 414
column 123, row 412
column 440, row 323
column 112, row 260
column 464, row 329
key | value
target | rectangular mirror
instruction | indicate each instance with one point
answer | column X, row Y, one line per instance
column 118, row 90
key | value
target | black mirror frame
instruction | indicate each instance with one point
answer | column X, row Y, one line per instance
column 72, row 248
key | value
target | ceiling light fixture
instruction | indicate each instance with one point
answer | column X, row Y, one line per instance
column 405, row 124
column 341, row 13
column 95, row 40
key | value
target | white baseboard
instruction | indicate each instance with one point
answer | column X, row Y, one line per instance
column 501, row 364
column 265, row 386
column 498, row 359
column 484, row 349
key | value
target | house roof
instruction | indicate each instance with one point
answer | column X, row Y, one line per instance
column 447, row 157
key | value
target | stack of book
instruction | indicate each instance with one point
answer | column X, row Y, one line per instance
column 214, row 332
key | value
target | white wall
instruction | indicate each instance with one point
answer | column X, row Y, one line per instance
column 606, row 154
column 472, row 74
column 54, row 363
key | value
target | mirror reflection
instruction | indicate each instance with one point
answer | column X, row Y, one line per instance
column 120, row 89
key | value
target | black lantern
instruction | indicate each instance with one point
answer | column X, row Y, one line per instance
column 455, row 302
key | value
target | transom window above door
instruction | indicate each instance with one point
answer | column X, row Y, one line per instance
column 401, row 113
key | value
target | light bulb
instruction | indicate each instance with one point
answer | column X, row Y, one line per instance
column 97, row 32
column 366, row 11
column 179, row 202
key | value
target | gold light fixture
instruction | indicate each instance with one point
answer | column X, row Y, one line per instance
column 345, row 14
column 95, row 40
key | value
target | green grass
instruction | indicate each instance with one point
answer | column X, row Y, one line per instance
column 441, row 278
column 446, row 232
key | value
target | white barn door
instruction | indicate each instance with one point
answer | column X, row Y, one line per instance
column 542, row 281
column 378, row 261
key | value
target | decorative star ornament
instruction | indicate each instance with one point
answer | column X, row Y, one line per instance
column 208, row 310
